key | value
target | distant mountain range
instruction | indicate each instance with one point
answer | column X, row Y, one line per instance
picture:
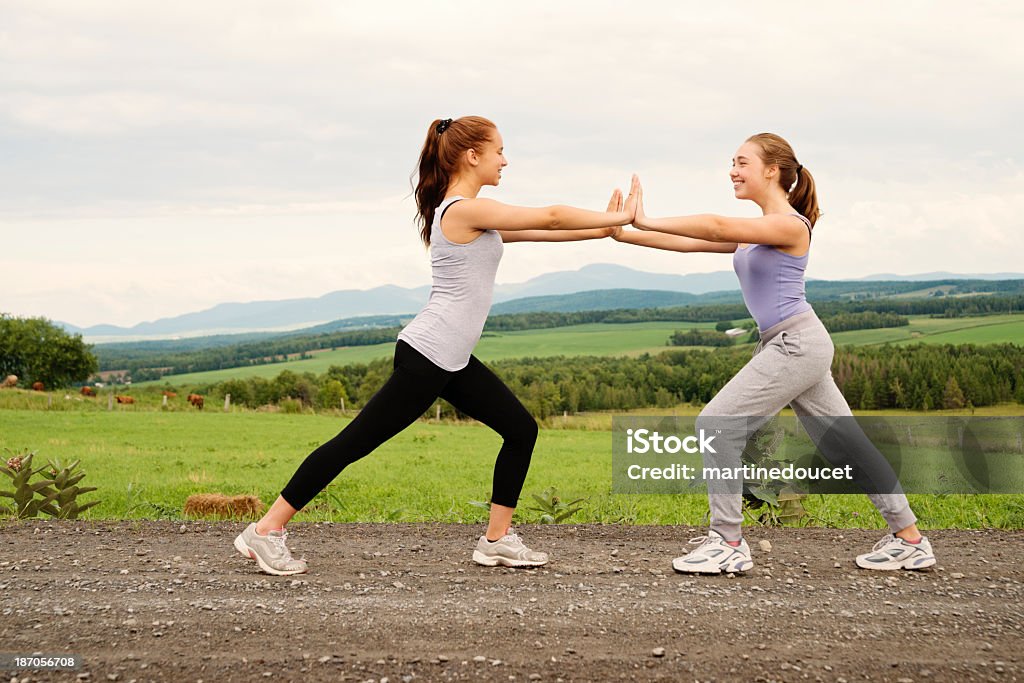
column 589, row 285
column 940, row 275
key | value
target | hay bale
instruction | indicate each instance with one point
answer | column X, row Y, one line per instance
column 223, row 507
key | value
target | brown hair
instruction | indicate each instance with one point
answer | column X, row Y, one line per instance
column 795, row 178
column 446, row 141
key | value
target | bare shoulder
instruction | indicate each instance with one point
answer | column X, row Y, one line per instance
column 458, row 224
column 784, row 220
column 799, row 227
column 474, row 207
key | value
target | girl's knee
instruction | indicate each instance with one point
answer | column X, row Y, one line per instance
column 530, row 429
column 718, row 415
column 523, row 430
column 705, row 420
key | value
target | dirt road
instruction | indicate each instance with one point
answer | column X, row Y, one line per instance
column 162, row 601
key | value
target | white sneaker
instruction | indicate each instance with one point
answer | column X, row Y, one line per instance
column 893, row 552
column 270, row 551
column 508, row 551
column 714, row 556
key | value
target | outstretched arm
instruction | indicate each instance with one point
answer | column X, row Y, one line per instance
column 614, row 206
column 486, row 214
column 658, row 240
column 776, row 229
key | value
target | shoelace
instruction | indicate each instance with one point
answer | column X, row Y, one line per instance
column 279, row 542
column 514, row 537
column 700, row 540
column 888, row 538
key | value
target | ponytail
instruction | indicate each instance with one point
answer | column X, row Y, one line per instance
column 794, row 177
column 803, row 197
column 446, row 141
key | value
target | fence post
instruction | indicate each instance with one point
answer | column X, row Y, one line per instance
column 165, row 401
column 227, row 403
column 343, row 404
column 110, row 401
column 49, row 400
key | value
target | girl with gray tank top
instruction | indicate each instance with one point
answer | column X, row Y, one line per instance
column 434, row 353
column 791, row 363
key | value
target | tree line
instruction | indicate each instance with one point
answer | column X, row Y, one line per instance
column 142, row 366
column 918, row 377
column 863, row 320
column 842, row 322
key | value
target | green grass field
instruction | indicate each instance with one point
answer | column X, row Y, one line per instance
column 994, row 329
column 147, row 463
column 602, row 339
column 596, row 339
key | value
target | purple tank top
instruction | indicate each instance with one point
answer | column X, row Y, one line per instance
column 772, row 282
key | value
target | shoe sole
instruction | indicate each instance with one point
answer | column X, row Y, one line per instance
column 737, row 568
column 245, row 551
column 491, row 561
column 923, row 563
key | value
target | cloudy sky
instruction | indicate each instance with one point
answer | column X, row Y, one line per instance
column 159, row 158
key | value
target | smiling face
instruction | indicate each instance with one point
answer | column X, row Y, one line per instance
column 490, row 160
column 750, row 177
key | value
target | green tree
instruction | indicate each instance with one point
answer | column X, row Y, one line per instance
column 953, row 397
column 240, row 390
column 332, row 394
column 36, row 350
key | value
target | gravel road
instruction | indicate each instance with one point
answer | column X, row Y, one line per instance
column 166, row 601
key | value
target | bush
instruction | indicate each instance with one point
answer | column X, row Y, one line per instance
column 36, row 350
column 696, row 337
column 332, row 395
column 290, row 406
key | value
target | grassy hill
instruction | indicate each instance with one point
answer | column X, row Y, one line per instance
column 994, row 329
column 597, row 339
column 601, row 339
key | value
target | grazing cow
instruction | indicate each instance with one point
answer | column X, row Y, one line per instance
column 37, row 386
column 196, row 400
column 88, row 391
column 169, row 394
column 10, row 381
column 124, row 399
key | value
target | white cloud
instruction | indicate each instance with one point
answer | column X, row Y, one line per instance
column 218, row 142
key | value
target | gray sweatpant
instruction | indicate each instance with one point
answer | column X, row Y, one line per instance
column 791, row 366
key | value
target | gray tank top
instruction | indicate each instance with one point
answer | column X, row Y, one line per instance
column 772, row 281
column 448, row 328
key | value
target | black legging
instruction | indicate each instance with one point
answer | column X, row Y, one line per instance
column 413, row 386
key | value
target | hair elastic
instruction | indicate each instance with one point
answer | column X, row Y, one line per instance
column 443, row 126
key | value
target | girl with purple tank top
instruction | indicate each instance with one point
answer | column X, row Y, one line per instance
column 791, row 363
column 434, row 353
